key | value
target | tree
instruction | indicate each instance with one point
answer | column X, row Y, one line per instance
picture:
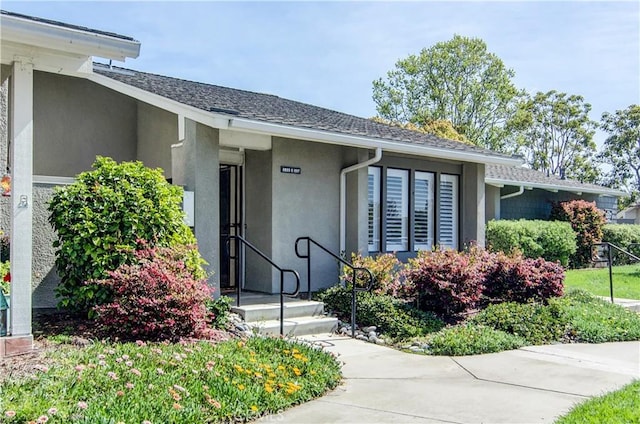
column 440, row 128
column 557, row 135
column 621, row 149
column 458, row 81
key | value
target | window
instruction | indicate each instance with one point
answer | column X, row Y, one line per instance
column 448, row 212
column 374, row 209
column 397, row 210
column 423, row 210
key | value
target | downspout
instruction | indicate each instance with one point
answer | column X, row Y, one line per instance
column 343, row 194
column 517, row 193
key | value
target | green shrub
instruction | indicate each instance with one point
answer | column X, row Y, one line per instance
column 587, row 222
column 622, row 235
column 392, row 317
column 594, row 320
column 551, row 240
column 219, row 309
column 536, row 323
column 472, row 339
column 99, row 220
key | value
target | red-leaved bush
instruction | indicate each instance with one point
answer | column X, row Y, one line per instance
column 156, row 298
column 445, row 282
column 518, row 279
column 587, row 222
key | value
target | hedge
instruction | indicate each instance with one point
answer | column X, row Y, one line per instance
column 550, row 240
column 622, row 235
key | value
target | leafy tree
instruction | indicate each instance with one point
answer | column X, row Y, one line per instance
column 103, row 217
column 557, row 135
column 458, row 81
column 621, row 150
column 440, row 128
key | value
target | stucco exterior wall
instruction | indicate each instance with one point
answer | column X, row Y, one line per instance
column 157, row 130
column 258, row 218
column 75, row 120
column 536, row 203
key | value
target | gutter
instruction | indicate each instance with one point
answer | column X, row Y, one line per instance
column 343, row 194
column 515, row 194
column 369, row 142
column 50, row 36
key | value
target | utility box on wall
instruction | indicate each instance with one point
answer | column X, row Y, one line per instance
column 188, row 207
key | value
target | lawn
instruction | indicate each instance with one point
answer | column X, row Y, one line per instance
column 620, row 406
column 626, row 281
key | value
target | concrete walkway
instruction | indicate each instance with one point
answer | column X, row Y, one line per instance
column 529, row 385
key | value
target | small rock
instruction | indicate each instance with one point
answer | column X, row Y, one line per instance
column 373, row 339
column 361, row 337
column 380, row 342
column 415, row 349
column 372, row 334
column 81, row 342
column 344, row 330
column 369, row 329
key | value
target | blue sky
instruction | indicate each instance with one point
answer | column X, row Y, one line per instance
column 328, row 53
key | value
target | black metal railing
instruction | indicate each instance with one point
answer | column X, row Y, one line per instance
column 236, row 256
column 354, row 269
column 605, row 254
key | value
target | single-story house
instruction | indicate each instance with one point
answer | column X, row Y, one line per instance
column 629, row 215
column 523, row 193
column 255, row 165
column 260, row 166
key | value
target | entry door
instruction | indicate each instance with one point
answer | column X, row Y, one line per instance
column 230, row 222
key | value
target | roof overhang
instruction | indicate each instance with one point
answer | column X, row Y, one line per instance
column 72, row 41
column 604, row 191
column 366, row 142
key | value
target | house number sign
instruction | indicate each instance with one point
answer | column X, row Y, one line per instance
column 290, row 170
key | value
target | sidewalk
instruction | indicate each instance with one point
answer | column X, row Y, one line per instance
column 530, row 385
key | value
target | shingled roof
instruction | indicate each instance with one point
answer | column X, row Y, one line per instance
column 519, row 176
column 277, row 110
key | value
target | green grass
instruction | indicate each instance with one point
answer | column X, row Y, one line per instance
column 620, row 406
column 626, row 281
column 168, row 383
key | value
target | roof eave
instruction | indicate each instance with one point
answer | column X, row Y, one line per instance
column 70, row 40
column 591, row 190
column 367, row 142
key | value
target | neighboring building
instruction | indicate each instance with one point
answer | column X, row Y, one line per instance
column 523, row 193
column 630, row 215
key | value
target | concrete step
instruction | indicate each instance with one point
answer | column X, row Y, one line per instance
column 297, row 326
column 271, row 311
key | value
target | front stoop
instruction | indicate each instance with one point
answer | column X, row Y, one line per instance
column 300, row 318
column 15, row 345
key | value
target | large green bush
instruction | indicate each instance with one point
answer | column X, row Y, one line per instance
column 100, row 220
column 587, row 222
column 536, row 323
column 622, row 235
column 393, row 317
column 551, row 240
column 472, row 339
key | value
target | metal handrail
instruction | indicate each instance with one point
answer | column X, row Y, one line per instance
column 609, row 259
column 241, row 240
column 354, row 270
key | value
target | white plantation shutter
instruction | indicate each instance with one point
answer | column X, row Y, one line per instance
column 448, row 212
column 423, row 210
column 374, row 209
column 397, row 211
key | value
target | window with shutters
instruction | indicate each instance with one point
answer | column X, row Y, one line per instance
column 423, row 210
column 448, row 212
column 374, row 208
column 397, row 210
